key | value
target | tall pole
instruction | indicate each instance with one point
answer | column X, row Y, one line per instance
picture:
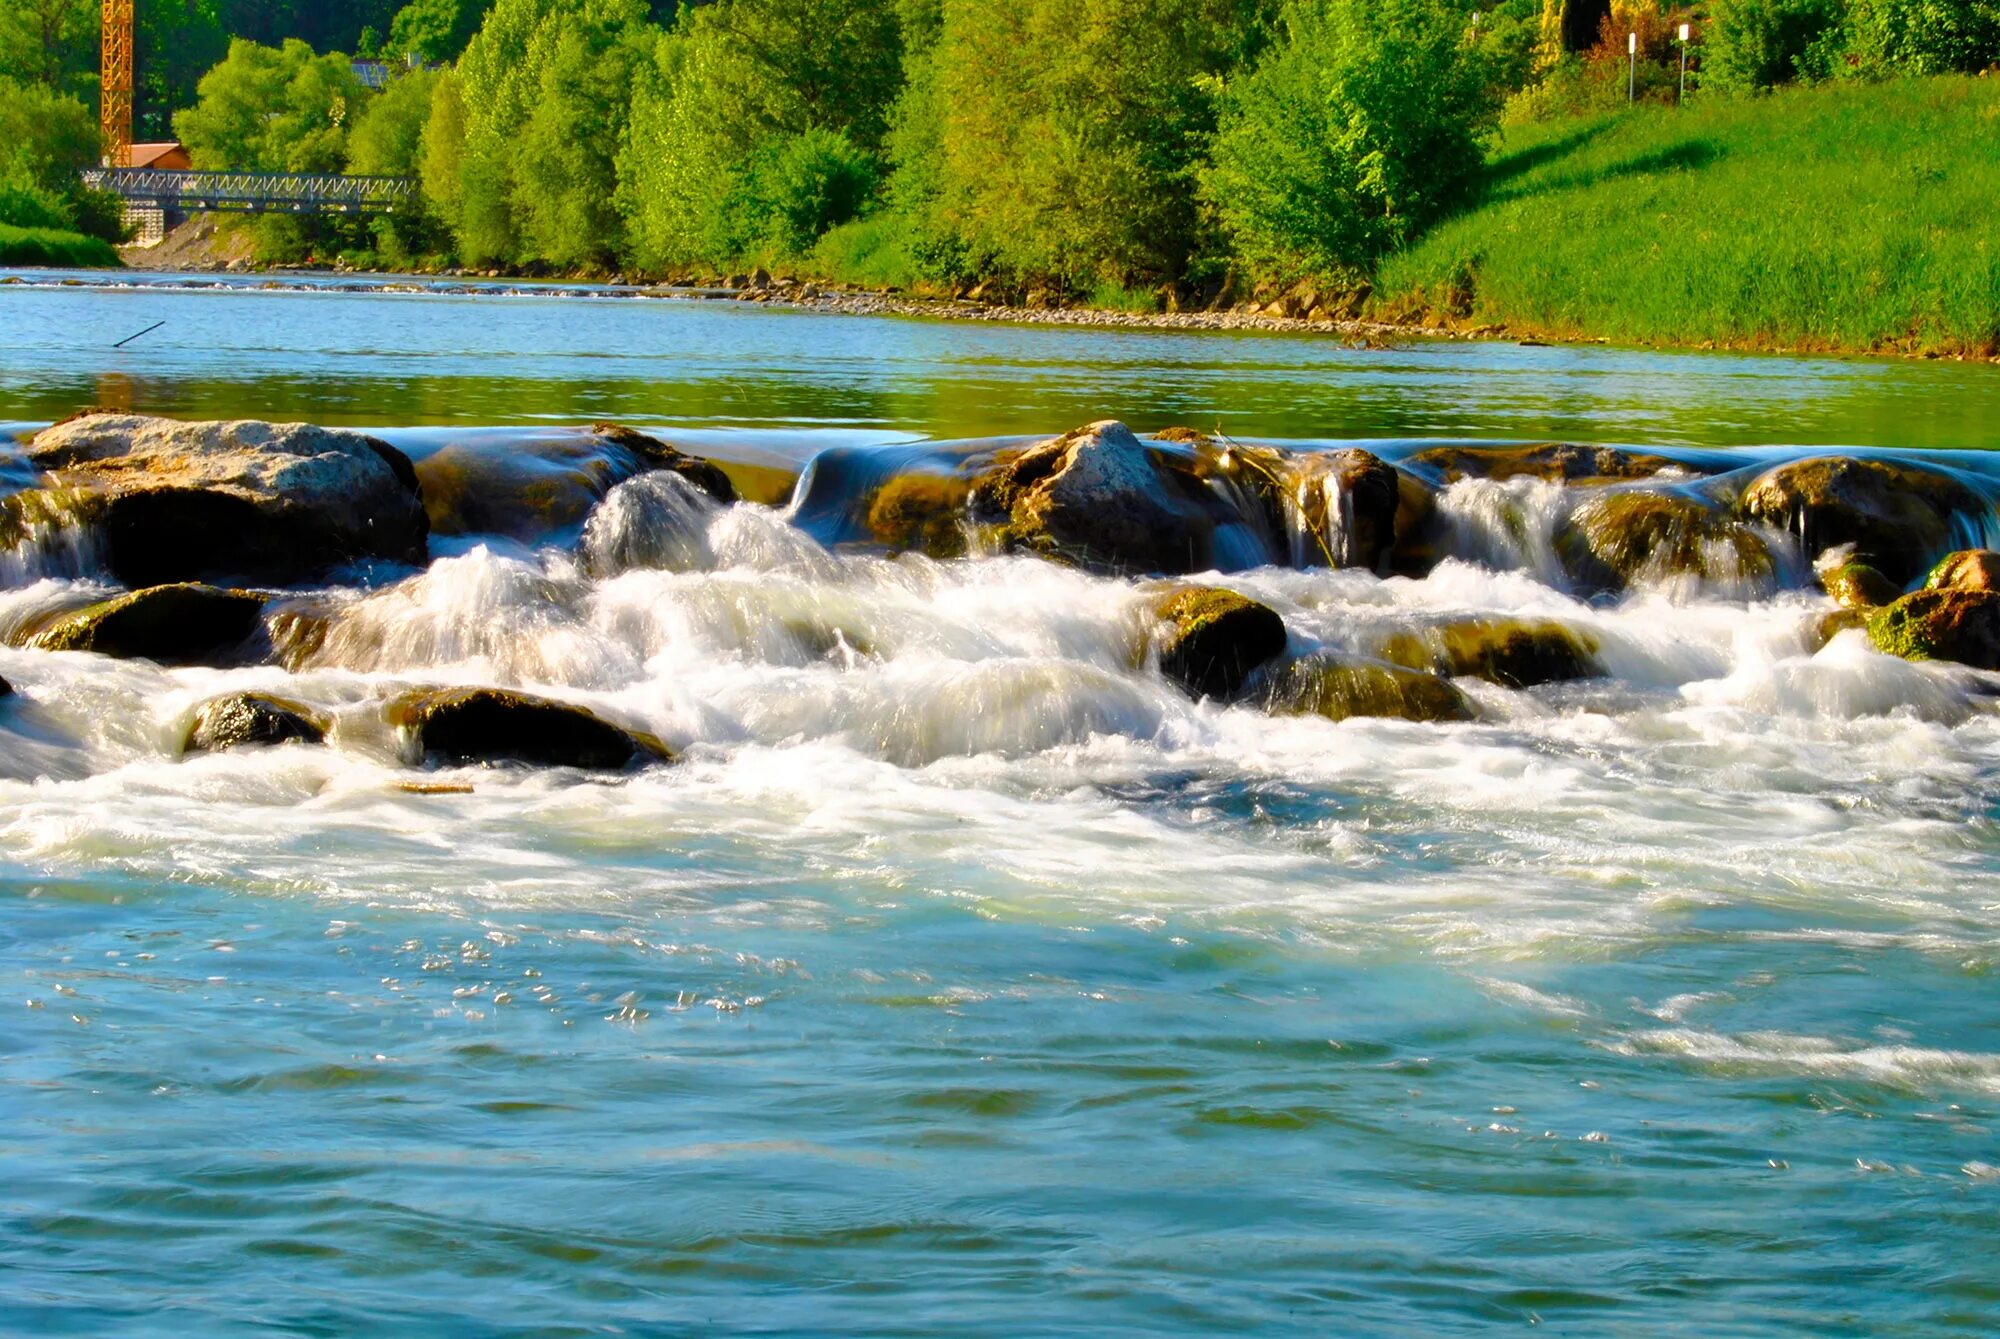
column 115, row 85
column 1631, row 75
column 1682, row 96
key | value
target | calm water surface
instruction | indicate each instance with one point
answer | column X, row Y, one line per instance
column 975, row 982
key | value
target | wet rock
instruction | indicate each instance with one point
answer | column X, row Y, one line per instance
column 1213, row 639
column 1856, row 585
column 1097, row 497
column 1342, row 505
column 1419, row 531
column 1514, row 653
column 1630, row 537
column 659, row 522
column 472, row 725
column 242, row 719
column 704, row 474
column 273, row 502
column 1968, row 569
column 1342, row 687
column 6, row 689
column 183, row 624
column 1823, row 628
column 928, row 513
column 1556, row 461
column 1897, row 516
column 1957, row 625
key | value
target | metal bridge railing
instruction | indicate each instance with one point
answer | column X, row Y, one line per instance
column 255, row 192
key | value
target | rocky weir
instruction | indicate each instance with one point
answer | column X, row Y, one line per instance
column 577, row 598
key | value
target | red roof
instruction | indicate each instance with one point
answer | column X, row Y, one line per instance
column 169, row 157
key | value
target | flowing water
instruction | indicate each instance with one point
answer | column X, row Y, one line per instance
column 964, row 976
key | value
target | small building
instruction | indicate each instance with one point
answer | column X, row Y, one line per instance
column 169, row 157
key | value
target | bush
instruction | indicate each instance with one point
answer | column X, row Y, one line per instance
column 800, row 186
column 1922, row 37
column 99, row 214
column 1759, row 44
column 1362, row 128
column 23, row 204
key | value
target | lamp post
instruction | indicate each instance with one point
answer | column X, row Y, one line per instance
column 1632, row 68
column 1682, row 95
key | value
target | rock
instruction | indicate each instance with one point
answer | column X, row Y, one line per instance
column 1823, row 628
column 1339, row 687
column 1618, row 539
column 1343, row 504
column 1898, row 517
column 1213, row 639
column 1097, row 497
column 181, row 624
column 251, row 718
column 273, row 502
column 1856, row 585
column 1514, row 653
column 1957, row 625
column 6, row 689
column 705, row 474
column 1968, row 569
column 468, row 725
column 929, row 513
column 1557, row 461
column 1418, row 530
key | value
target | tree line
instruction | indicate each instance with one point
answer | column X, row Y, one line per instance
column 1077, row 147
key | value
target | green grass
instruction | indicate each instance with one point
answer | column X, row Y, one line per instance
column 1848, row 217
column 872, row 252
column 48, row 246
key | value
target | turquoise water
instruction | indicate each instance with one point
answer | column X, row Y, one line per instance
column 977, row 982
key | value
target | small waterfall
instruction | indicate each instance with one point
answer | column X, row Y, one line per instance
column 1319, row 521
column 1247, row 541
column 659, row 520
column 1507, row 525
column 47, row 537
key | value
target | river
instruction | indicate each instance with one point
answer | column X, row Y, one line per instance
column 961, row 977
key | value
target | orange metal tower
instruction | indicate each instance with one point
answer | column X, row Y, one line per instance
column 115, row 116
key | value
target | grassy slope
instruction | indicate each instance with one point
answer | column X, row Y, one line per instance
column 1856, row 217
column 46, row 246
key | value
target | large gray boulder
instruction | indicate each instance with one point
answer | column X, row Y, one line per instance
column 266, row 502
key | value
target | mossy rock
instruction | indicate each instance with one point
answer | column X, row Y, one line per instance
column 242, row 719
column 1338, row 688
column 1898, row 517
column 1858, row 586
column 1823, row 628
column 1214, row 638
column 183, row 624
column 1514, row 653
column 1955, row 625
column 705, row 474
column 1620, row 538
column 928, row 513
column 479, row 725
column 1559, row 462
column 1967, row 569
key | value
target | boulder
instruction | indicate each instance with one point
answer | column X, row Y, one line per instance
column 272, row 502
column 6, row 689
column 928, row 513
column 705, row 474
column 1339, row 507
column 1418, row 529
column 251, row 718
column 1341, row 687
column 1968, row 569
column 1560, row 462
column 1098, row 498
column 182, row 624
column 1957, row 625
column 1212, row 639
column 1898, row 517
column 1618, row 539
column 472, row 725
column 1856, row 585
column 1514, row 653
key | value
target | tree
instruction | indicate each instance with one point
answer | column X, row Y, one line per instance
column 49, row 42
column 1364, row 126
column 46, row 137
column 388, row 140
column 176, row 42
column 267, row 109
column 435, row 30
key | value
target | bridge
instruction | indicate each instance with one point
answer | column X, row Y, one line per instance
column 177, row 194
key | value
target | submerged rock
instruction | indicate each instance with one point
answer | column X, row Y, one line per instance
column 251, row 718
column 1628, row 537
column 183, row 624
column 1898, row 517
column 926, row 513
column 1097, row 497
column 1212, row 639
column 1856, row 585
column 1559, row 462
column 471, row 725
column 659, row 521
column 1514, row 653
column 1968, row 569
column 1957, row 625
column 1341, row 687
column 273, row 502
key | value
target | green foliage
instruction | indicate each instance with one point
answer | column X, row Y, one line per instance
column 1758, row 44
column 755, row 127
column 1057, row 140
column 1921, row 37
column 44, row 246
column 434, row 30
column 45, row 137
column 873, row 252
column 270, row 109
column 1361, row 129
column 49, row 42
column 1847, row 216
column 23, row 204
column 388, row 141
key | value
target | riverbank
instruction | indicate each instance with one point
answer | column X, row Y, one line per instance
column 52, row 247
